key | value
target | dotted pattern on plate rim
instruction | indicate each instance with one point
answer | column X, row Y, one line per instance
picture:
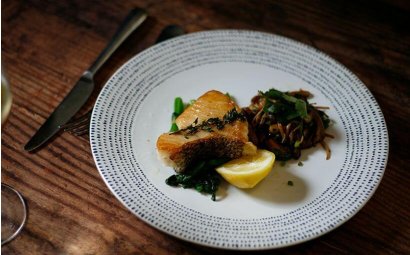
column 366, row 134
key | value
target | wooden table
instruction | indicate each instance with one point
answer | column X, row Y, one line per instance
column 46, row 45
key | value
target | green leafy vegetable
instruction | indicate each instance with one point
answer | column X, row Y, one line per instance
column 300, row 107
column 325, row 119
column 201, row 177
column 285, row 123
column 272, row 93
column 285, row 107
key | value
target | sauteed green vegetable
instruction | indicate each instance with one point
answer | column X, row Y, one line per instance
column 285, row 123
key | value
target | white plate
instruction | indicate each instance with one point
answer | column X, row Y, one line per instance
column 135, row 107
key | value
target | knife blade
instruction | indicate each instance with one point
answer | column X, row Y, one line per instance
column 80, row 126
column 80, row 93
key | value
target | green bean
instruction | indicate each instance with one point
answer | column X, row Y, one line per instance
column 178, row 109
column 174, row 128
column 178, row 105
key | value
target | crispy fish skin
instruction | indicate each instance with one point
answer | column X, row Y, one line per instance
column 180, row 151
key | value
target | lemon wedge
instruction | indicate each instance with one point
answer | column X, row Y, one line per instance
column 247, row 171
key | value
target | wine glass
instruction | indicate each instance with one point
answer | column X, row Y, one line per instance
column 13, row 206
column 5, row 97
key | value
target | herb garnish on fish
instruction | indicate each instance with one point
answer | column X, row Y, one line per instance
column 209, row 124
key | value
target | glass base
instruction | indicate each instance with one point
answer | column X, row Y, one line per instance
column 13, row 213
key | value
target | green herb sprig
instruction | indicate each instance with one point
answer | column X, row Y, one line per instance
column 209, row 124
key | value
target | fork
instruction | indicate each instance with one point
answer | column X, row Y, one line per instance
column 81, row 125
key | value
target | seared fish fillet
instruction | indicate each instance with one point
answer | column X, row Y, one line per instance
column 189, row 145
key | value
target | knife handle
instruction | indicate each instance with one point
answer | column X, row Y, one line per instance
column 133, row 20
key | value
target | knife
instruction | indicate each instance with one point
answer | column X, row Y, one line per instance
column 79, row 94
column 80, row 126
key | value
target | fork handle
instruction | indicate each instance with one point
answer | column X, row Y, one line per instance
column 133, row 20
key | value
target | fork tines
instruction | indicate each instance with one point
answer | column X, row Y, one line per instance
column 79, row 126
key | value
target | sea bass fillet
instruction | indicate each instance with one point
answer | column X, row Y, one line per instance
column 212, row 127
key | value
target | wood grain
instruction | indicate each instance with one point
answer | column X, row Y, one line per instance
column 46, row 45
